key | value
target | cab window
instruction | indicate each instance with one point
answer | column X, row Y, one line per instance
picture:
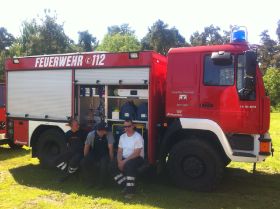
column 216, row 74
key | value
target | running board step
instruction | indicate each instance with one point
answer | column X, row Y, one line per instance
column 243, row 154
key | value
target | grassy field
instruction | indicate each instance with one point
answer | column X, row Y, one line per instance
column 24, row 184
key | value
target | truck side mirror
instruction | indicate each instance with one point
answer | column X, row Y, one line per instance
column 248, row 92
column 249, row 83
column 250, row 63
column 221, row 58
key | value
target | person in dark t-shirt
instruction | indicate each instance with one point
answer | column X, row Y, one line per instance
column 98, row 152
column 69, row 161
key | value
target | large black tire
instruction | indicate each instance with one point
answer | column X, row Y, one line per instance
column 51, row 144
column 195, row 165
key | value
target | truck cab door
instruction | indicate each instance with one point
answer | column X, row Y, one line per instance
column 249, row 105
column 220, row 97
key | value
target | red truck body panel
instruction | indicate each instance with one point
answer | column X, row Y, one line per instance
column 21, row 132
column 79, row 61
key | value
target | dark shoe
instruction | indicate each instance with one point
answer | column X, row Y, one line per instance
column 124, row 191
column 63, row 178
column 129, row 191
column 129, row 195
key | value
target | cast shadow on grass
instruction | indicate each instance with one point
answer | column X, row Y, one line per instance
column 7, row 153
column 159, row 192
column 236, row 180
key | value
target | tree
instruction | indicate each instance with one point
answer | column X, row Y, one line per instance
column 123, row 29
column 119, row 43
column 119, row 39
column 276, row 57
column 87, row 41
column 210, row 36
column 15, row 49
column 267, row 51
column 227, row 34
column 213, row 35
column 6, row 39
column 272, row 85
column 161, row 39
column 198, row 39
column 278, row 30
column 45, row 37
column 3, row 56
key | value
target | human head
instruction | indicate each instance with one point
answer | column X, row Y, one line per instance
column 128, row 126
column 101, row 129
column 74, row 124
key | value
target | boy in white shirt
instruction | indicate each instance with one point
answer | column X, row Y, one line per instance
column 130, row 157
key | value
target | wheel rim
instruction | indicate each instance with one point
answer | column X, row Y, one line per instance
column 193, row 166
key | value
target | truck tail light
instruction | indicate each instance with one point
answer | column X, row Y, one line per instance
column 265, row 146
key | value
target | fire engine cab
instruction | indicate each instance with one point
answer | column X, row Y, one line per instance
column 198, row 109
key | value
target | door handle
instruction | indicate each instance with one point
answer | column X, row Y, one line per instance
column 206, row 105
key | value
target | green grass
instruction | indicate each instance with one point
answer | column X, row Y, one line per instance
column 25, row 184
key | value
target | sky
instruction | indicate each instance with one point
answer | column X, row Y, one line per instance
column 187, row 16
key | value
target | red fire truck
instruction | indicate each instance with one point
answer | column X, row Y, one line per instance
column 206, row 105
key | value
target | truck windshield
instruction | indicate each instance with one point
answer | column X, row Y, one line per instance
column 217, row 75
column 244, row 94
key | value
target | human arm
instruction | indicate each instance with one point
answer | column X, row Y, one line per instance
column 88, row 143
column 122, row 162
column 86, row 149
column 135, row 154
column 111, row 142
column 119, row 154
column 67, row 139
column 119, row 159
column 111, row 151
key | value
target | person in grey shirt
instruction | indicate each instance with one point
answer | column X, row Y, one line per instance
column 98, row 152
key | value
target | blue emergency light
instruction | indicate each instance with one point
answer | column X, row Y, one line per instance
column 239, row 35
